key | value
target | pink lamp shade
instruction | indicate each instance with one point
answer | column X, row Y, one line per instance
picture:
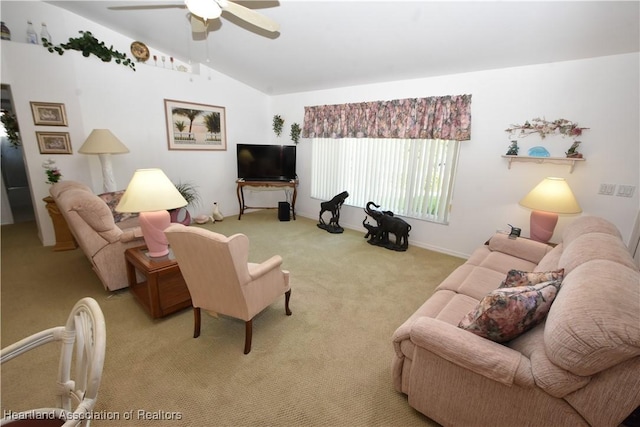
column 151, row 193
column 549, row 198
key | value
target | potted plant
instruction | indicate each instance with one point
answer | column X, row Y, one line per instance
column 295, row 132
column 10, row 123
column 278, row 122
column 191, row 195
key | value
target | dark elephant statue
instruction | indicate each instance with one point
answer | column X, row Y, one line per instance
column 386, row 223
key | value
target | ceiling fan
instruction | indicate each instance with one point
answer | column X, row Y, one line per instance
column 202, row 11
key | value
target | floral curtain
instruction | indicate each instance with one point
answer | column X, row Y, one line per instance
column 441, row 117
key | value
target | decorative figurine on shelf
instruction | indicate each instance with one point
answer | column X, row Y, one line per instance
column 386, row 223
column 573, row 151
column 216, row 215
column 333, row 206
column 513, row 149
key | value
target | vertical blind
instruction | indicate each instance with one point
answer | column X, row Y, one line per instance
column 411, row 177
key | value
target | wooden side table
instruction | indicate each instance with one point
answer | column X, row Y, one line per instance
column 293, row 184
column 164, row 290
column 64, row 239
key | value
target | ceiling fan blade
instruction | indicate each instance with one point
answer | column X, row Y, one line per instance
column 148, row 7
column 250, row 16
column 197, row 24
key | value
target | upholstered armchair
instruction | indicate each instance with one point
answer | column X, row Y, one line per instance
column 220, row 278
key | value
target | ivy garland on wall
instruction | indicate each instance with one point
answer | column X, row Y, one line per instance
column 88, row 45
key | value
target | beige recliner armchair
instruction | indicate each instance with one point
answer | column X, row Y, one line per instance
column 93, row 225
column 220, row 278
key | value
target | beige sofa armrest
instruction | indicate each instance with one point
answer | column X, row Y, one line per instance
column 472, row 352
column 130, row 234
column 529, row 250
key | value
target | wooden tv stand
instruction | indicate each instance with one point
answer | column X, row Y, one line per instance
column 266, row 185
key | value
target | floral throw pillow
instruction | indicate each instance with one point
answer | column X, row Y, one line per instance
column 112, row 199
column 506, row 313
column 523, row 278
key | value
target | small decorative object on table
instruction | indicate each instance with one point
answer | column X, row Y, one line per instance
column 52, row 171
column 513, row 149
column 333, row 206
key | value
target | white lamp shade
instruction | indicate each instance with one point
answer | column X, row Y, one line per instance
column 102, row 141
column 150, row 190
column 205, row 9
column 552, row 195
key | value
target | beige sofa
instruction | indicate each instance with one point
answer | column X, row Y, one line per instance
column 579, row 367
column 92, row 222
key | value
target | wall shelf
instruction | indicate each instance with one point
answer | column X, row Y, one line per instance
column 557, row 160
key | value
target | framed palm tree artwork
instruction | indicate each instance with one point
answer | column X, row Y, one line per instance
column 192, row 126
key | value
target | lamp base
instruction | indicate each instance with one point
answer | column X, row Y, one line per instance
column 542, row 225
column 153, row 225
column 108, row 181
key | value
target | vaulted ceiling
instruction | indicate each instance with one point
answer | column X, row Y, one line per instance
column 329, row 44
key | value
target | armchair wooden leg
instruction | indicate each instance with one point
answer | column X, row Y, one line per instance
column 287, row 296
column 248, row 332
column 196, row 322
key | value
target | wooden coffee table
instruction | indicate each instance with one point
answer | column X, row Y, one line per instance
column 163, row 290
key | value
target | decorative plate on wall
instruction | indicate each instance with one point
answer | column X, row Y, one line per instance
column 140, row 51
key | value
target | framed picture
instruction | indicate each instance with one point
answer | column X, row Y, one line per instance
column 54, row 142
column 48, row 114
column 195, row 126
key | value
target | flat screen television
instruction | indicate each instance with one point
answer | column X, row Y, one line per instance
column 266, row 162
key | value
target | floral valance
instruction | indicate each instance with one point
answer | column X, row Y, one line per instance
column 441, row 117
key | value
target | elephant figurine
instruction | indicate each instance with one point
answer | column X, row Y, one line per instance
column 386, row 223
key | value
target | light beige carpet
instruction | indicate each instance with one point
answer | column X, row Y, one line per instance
column 326, row 365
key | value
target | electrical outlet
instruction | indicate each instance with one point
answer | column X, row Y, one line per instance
column 607, row 189
column 626, row 190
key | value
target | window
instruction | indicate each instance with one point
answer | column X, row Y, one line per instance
column 411, row 177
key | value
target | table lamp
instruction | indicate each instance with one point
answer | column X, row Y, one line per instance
column 104, row 143
column 548, row 199
column 152, row 194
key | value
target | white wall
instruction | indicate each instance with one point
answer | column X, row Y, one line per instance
column 601, row 94
column 130, row 104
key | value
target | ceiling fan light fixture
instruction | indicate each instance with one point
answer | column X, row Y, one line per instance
column 206, row 9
